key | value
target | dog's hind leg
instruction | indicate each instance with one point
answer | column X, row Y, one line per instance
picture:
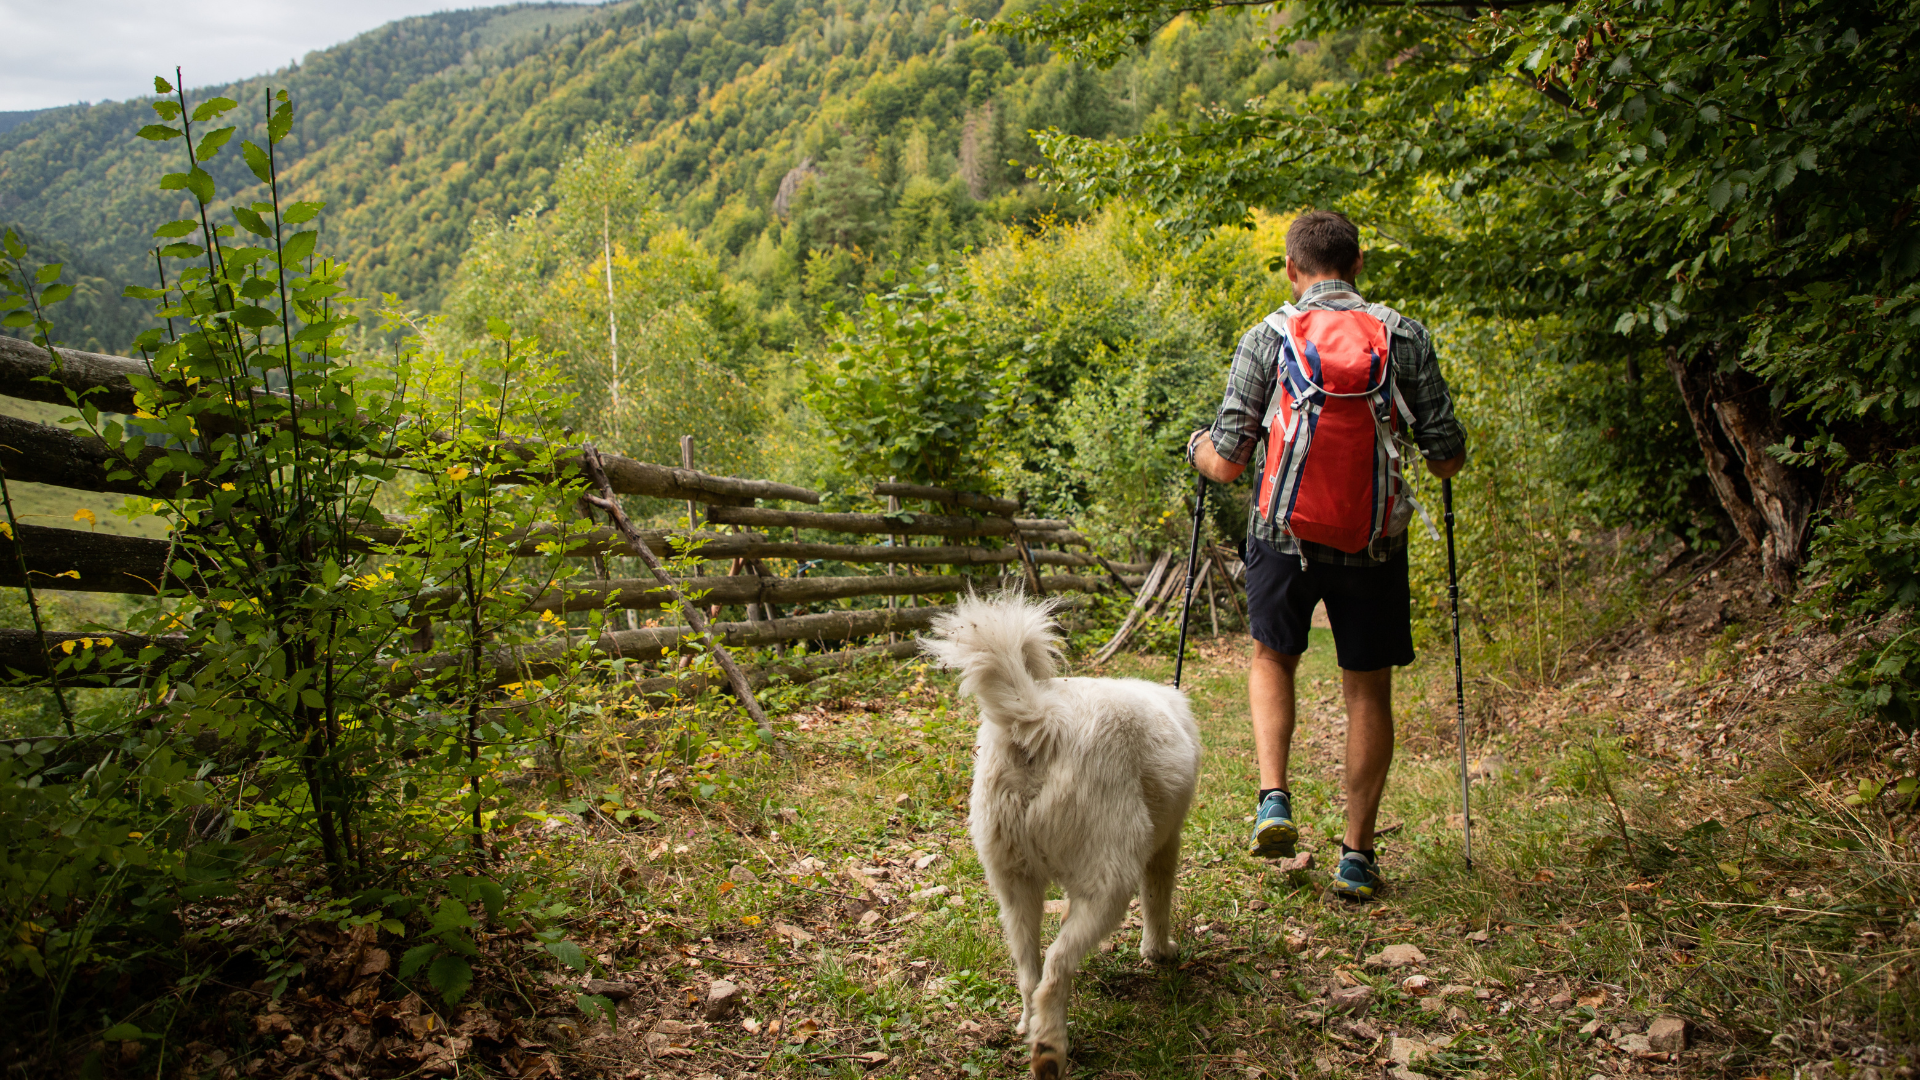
column 1090, row 918
column 1156, row 903
column 1021, row 902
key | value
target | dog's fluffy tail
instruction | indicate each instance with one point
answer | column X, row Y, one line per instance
column 1004, row 648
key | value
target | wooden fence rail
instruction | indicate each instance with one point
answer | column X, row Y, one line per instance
column 72, row 560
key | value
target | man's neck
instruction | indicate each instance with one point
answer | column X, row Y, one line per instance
column 1305, row 285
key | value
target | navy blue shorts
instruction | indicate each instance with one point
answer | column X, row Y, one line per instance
column 1370, row 607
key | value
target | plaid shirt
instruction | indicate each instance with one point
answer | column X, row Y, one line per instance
column 1250, row 384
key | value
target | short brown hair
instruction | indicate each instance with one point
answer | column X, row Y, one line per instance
column 1323, row 242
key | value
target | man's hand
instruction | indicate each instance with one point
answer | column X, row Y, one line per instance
column 1445, row 469
column 1208, row 460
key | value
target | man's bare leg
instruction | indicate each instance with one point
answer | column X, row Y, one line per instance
column 1369, row 696
column 1270, row 699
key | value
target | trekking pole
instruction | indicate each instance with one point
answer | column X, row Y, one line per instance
column 1193, row 560
column 1459, row 679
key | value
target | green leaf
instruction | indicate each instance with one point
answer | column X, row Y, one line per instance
column 452, row 915
column 161, row 86
column 302, row 212
column 492, row 896
column 597, row 1005
column 393, row 926
column 211, row 144
column 159, row 132
column 258, row 161
column 567, row 953
column 141, row 292
column 200, row 183
column 252, row 222
column 183, row 251
column 56, row 294
column 412, row 959
column 1719, row 194
column 280, row 124
column 499, row 328
column 451, row 975
column 297, row 248
column 49, row 272
column 174, row 229
column 258, row 317
column 212, row 108
column 123, row 1032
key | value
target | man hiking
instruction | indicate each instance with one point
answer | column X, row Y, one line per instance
column 1330, row 386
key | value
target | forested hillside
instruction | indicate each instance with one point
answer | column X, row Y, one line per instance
column 913, row 122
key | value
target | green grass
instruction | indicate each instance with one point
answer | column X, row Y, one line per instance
column 1676, row 917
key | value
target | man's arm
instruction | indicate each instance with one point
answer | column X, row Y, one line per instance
column 1213, row 466
column 1442, row 441
column 1221, row 452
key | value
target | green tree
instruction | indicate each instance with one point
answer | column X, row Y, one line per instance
column 1725, row 189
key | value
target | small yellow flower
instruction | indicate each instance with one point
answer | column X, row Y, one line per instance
column 226, row 487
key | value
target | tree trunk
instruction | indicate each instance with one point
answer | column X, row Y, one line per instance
column 1769, row 501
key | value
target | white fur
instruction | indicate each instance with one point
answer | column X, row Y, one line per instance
column 1084, row 782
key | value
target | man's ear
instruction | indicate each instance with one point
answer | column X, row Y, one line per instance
column 1359, row 264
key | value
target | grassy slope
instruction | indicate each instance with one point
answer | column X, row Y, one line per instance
column 1559, row 945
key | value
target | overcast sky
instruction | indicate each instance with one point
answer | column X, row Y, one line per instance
column 58, row 52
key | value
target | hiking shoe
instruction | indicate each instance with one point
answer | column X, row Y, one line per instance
column 1274, row 833
column 1357, row 877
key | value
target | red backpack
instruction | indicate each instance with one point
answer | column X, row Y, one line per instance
column 1333, row 463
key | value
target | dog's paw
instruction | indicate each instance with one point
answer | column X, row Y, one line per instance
column 1049, row 1062
column 1164, row 953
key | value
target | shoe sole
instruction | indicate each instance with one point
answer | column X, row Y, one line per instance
column 1349, row 891
column 1276, row 840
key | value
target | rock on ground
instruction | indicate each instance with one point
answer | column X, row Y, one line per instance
column 1668, row 1035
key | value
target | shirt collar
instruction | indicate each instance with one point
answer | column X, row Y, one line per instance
column 1323, row 290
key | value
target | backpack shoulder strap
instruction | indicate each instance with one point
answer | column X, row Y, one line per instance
column 1281, row 322
column 1388, row 317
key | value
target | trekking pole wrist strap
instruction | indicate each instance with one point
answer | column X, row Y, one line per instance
column 1193, row 444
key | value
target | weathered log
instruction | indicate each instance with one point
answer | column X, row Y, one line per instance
column 589, row 595
column 756, row 546
column 806, row 670
column 1056, row 536
column 596, row 470
column 653, row 642
column 1769, row 501
column 1150, row 590
column 885, row 524
column 73, row 561
column 630, row 477
column 991, row 504
column 44, row 454
column 24, row 367
column 22, row 661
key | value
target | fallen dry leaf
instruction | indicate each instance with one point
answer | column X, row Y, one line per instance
column 792, row 933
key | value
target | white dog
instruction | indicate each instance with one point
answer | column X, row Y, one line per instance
column 1084, row 782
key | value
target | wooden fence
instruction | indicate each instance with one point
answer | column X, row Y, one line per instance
column 998, row 548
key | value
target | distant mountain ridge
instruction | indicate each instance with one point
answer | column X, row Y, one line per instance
column 901, row 113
